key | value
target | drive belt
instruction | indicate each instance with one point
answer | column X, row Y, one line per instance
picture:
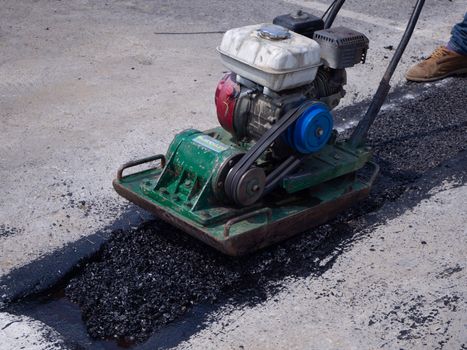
column 235, row 175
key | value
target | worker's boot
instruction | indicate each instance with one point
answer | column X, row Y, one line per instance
column 441, row 64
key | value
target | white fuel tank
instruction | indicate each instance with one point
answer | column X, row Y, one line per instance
column 270, row 55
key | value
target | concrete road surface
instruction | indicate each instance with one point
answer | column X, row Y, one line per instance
column 86, row 86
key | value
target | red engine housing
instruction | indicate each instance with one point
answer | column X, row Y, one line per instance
column 227, row 92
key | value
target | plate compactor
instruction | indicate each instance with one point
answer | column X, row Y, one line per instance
column 276, row 166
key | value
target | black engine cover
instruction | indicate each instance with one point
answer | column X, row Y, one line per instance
column 300, row 22
column 256, row 112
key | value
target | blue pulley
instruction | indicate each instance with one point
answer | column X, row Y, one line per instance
column 312, row 130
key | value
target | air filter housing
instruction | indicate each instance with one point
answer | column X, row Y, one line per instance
column 341, row 47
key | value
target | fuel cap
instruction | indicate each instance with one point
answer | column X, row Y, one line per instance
column 273, row 32
column 299, row 15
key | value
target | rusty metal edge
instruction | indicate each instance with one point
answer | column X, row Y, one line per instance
column 168, row 217
column 260, row 237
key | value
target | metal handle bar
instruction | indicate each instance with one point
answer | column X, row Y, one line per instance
column 374, row 174
column 229, row 223
column 359, row 135
column 333, row 11
column 133, row 163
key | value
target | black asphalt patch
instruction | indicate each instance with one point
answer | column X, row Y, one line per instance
column 149, row 277
column 45, row 272
column 144, row 279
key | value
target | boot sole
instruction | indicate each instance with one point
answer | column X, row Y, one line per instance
column 417, row 79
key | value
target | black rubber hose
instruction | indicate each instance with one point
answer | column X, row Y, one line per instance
column 359, row 135
column 333, row 13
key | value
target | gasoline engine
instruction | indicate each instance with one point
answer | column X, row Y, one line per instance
column 275, row 68
column 275, row 167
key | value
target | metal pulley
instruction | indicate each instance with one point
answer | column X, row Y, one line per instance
column 312, row 130
column 250, row 187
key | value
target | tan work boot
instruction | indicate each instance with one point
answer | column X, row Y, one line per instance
column 441, row 64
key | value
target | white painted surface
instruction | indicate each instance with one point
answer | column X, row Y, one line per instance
column 20, row 332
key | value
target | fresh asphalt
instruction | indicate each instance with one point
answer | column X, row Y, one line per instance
column 62, row 202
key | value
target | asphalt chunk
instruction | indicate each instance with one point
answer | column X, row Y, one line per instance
column 150, row 276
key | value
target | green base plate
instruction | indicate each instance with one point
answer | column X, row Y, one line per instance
column 278, row 216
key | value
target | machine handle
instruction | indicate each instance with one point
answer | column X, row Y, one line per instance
column 332, row 12
column 359, row 135
column 229, row 223
column 133, row 163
